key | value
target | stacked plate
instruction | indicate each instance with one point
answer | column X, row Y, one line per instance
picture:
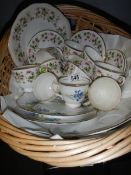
column 54, row 118
column 34, row 20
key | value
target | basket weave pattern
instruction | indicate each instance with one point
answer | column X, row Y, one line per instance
column 64, row 153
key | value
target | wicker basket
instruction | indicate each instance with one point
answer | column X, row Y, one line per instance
column 64, row 153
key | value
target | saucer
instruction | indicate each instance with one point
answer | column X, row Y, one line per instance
column 116, row 58
column 92, row 39
column 54, row 111
column 33, row 19
column 43, row 39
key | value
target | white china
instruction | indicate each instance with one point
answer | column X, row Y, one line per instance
column 44, row 39
column 90, row 38
column 98, row 125
column 45, row 54
column 45, row 87
column 24, row 76
column 40, row 56
column 13, row 86
column 74, row 72
column 33, row 19
column 108, row 70
column 116, row 58
column 54, row 111
column 72, row 48
column 91, row 54
column 75, row 59
column 126, row 89
column 104, row 93
column 52, row 66
column 87, row 66
column 73, row 92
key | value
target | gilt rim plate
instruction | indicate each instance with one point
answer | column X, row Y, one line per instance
column 31, row 20
column 54, row 111
column 116, row 58
column 92, row 39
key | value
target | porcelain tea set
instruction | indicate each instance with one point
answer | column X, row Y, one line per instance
column 52, row 62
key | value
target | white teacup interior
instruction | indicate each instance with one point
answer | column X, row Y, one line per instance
column 74, row 45
column 92, row 53
column 108, row 67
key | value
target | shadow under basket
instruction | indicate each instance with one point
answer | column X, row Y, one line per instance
column 65, row 153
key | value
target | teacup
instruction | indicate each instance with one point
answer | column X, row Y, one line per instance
column 24, row 76
column 52, row 66
column 75, row 59
column 44, row 54
column 105, row 69
column 45, row 87
column 73, row 92
column 91, row 54
column 75, row 73
column 72, row 48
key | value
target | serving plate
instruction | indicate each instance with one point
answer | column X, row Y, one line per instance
column 92, row 39
column 31, row 20
column 100, row 122
column 54, row 111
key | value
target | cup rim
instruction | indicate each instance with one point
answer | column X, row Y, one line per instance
column 116, row 69
column 85, row 50
column 70, row 46
column 80, row 70
column 52, row 59
column 76, row 84
column 25, row 67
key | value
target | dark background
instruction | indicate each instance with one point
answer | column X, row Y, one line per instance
column 118, row 10
column 14, row 163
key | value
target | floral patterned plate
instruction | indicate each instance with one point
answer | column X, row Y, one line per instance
column 90, row 38
column 116, row 58
column 43, row 39
column 31, row 20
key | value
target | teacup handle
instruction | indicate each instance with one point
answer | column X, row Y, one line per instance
column 56, row 89
column 121, row 80
column 19, row 94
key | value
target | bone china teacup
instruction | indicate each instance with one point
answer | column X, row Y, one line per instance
column 52, row 65
column 24, row 76
column 105, row 69
column 73, row 71
column 73, row 92
column 72, row 48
